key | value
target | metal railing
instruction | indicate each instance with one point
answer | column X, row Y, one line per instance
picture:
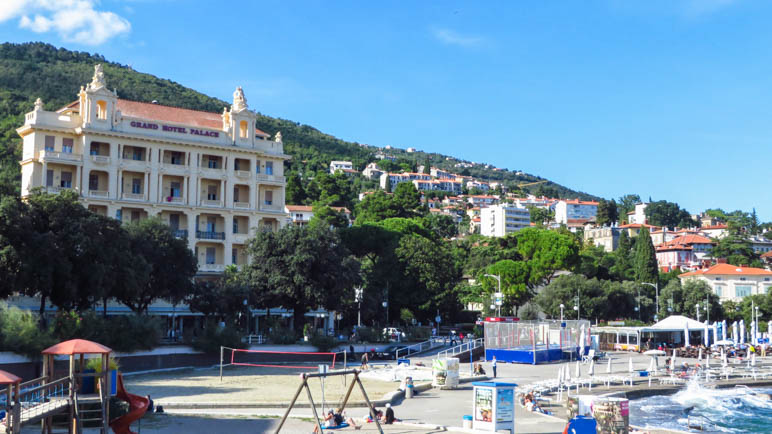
column 207, row 235
column 419, row 347
column 458, row 349
column 254, row 339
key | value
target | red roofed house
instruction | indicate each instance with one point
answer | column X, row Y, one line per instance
column 685, row 252
column 730, row 282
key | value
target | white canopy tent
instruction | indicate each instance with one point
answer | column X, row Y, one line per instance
column 679, row 323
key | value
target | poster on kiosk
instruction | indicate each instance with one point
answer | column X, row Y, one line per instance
column 494, row 406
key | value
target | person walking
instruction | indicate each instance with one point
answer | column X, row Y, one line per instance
column 364, row 361
column 493, row 365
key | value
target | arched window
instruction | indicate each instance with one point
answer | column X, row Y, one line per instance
column 243, row 129
column 101, row 110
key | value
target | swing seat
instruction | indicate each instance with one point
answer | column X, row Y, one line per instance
column 343, row 425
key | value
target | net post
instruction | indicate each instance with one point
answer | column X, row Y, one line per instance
column 221, row 360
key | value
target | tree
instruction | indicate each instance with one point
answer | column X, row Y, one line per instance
column 387, row 185
column 295, row 192
column 546, row 252
column 668, row 214
column 737, row 250
column 441, row 224
column 328, row 217
column 539, row 215
column 300, row 268
column 406, row 199
column 682, row 298
column 222, row 297
column 514, row 279
column 607, row 212
column 623, row 262
column 627, row 204
column 645, row 262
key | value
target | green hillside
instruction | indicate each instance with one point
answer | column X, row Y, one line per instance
column 32, row 70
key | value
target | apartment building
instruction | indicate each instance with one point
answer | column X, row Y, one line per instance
column 441, row 174
column 606, row 237
column 638, row 215
column 438, row 185
column 482, row 200
column 730, row 282
column 343, row 166
column 501, row 220
column 481, row 185
column 576, row 210
column 686, row 252
column 372, row 171
column 214, row 178
column 301, row 215
column 396, row 178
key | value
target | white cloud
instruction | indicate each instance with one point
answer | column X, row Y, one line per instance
column 73, row 20
column 449, row 37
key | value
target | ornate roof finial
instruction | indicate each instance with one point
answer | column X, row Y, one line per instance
column 239, row 101
column 38, row 104
column 277, row 139
column 99, row 77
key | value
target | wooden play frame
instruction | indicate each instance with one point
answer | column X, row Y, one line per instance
column 304, row 385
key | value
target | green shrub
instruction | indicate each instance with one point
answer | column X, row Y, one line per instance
column 307, row 330
column 418, row 333
column 323, row 343
column 282, row 336
column 122, row 333
column 95, row 363
column 215, row 337
column 20, row 332
column 371, row 334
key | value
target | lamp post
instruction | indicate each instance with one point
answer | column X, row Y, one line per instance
column 707, row 309
column 358, row 299
column 638, row 308
column 576, row 305
column 698, row 311
column 756, row 322
column 656, row 291
column 561, row 312
column 499, row 295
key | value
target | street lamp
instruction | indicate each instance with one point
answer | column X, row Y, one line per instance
column 576, row 305
column 561, row 312
column 576, row 308
column 698, row 311
column 358, row 299
column 498, row 294
column 656, row 290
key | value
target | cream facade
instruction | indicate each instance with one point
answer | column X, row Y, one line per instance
column 501, row 220
column 730, row 282
column 214, row 178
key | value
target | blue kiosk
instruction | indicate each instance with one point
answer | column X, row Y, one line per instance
column 494, row 406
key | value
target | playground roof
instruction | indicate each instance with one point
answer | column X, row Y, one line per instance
column 77, row 346
column 8, row 378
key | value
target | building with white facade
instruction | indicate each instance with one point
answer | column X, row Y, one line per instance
column 482, row 185
column 344, row 166
column 482, row 200
column 372, row 171
column 441, row 174
column 301, row 215
column 396, row 178
column 637, row 216
column 213, row 177
column 730, row 282
column 606, row 237
column 501, row 220
column 575, row 210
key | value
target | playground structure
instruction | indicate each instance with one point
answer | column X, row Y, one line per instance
column 41, row 399
column 339, row 408
column 538, row 341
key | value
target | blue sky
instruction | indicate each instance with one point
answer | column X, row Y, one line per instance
column 666, row 99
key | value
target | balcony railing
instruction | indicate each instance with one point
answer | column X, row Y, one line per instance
column 273, row 208
column 211, row 268
column 99, row 193
column 54, row 189
column 207, row 235
column 207, row 202
column 216, row 172
column 174, row 199
column 270, row 178
column 241, row 204
column 180, row 233
column 51, row 155
column 100, row 159
column 242, row 173
column 133, row 196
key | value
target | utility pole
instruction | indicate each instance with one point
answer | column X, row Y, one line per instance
column 499, row 295
column 358, row 299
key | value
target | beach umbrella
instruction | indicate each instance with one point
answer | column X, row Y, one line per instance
column 724, row 331
column 672, row 362
column 568, row 374
column 608, row 366
column 769, row 329
column 699, row 355
column 630, row 366
column 735, row 333
column 742, row 331
column 707, row 360
column 581, row 341
column 753, row 359
column 724, row 363
column 651, row 365
column 686, row 334
column 715, row 332
column 706, row 335
column 591, row 372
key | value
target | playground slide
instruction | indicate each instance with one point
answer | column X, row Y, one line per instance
column 137, row 407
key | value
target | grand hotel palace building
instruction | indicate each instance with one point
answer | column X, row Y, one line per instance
column 214, row 178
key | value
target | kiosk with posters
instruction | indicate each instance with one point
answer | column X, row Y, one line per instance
column 494, row 406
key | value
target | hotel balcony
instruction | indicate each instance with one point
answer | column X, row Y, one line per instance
column 133, row 196
column 180, row 233
column 241, row 205
column 59, row 156
column 211, row 268
column 100, row 159
column 174, row 169
column 102, row 194
column 206, row 235
column 130, row 163
column 243, row 174
column 271, row 208
column 212, row 203
column 55, row 190
column 212, row 173
column 270, row 178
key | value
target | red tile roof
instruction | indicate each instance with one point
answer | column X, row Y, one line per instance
column 580, row 202
column 767, row 255
column 707, row 228
column 164, row 113
column 729, row 269
column 636, row 226
column 294, row 208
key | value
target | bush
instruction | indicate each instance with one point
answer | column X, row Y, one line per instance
column 418, row 333
column 95, row 363
column 124, row 333
column 20, row 332
column 215, row 337
column 323, row 343
column 371, row 334
column 282, row 336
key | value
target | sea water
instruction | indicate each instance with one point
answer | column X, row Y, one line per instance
column 731, row 410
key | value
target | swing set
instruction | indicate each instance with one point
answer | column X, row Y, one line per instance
column 322, row 375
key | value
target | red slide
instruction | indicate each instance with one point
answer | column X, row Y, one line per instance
column 137, row 407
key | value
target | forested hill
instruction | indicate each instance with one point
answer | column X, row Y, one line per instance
column 32, row 70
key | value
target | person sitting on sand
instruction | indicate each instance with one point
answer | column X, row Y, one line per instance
column 388, row 418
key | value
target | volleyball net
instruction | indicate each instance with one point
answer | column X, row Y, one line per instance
column 279, row 359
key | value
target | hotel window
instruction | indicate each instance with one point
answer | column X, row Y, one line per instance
column 50, row 141
column 269, row 167
column 136, row 186
column 237, row 164
column 49, row 178
column 66, row 181
column 134, row 216
column 234, row 256
column 742, row 278
column 94, row 150
column 766, row 279
column 119, row 214
column 269, row 197
column 742, row 290
column 235, row 226
column 93, row 182
column 211, row 224
column 136, row 155
column 101, row 110
column 719, row 291
column 236, row 193
column 257, row 166
column 177, row 158
column 210, row 255
column 243, row 129
column 174, row 222
column 212, row 163
column 211, row 192
column 174, row 191
column 67, row 145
